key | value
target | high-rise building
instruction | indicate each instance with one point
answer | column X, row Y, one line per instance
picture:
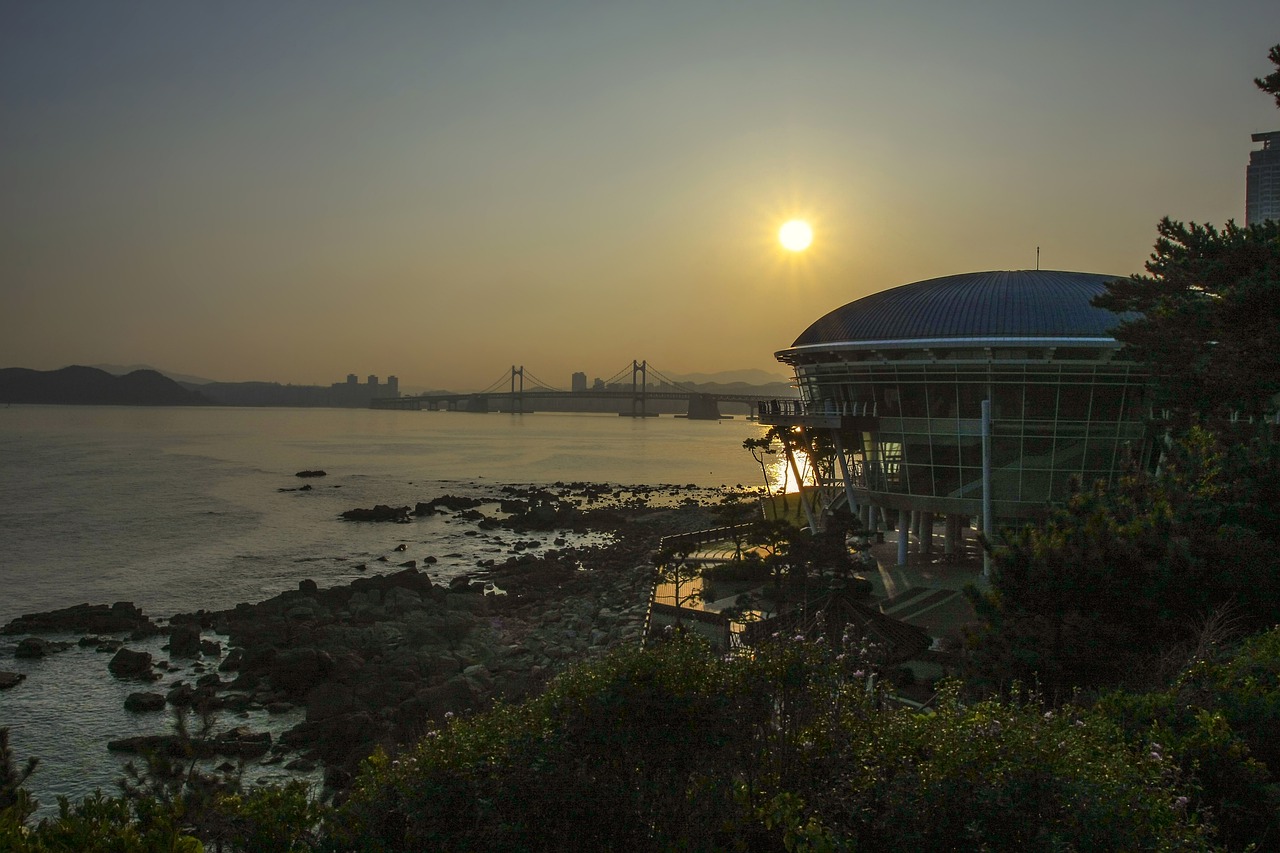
column 579, row 382
column 393, row 386
column 1262, row 180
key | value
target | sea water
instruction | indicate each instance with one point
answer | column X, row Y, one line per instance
column 178, row 509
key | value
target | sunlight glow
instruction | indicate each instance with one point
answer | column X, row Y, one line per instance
column 795, row 235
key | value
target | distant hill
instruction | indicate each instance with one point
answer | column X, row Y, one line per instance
column 122, row 370
column 733, row 377
column 77, row 385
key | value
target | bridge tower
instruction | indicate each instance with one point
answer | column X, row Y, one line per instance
column 517, row 397
column 638, row 396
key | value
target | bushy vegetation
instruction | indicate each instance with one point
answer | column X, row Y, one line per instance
column 790, row 748
column 1111, row 590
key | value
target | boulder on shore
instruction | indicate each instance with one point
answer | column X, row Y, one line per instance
column 381, row 512
column 130, row 664
column 184, row 640
column 10, row 679
column 85, row 619
column 36, row 647
column 143, row 702
column 237, row 742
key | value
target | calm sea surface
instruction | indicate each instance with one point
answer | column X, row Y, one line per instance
column 177, row 509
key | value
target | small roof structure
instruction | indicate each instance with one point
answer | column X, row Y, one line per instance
column 839, row 612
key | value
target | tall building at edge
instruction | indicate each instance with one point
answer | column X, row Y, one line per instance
column 1262, row 180
column 893, row 387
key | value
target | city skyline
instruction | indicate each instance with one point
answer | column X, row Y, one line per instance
column 282, row 191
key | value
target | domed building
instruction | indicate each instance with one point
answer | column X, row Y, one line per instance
column 893, row 388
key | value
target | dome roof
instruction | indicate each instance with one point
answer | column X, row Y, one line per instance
column 1002, row 304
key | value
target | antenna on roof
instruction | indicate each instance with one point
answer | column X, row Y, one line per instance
column 1037, row 257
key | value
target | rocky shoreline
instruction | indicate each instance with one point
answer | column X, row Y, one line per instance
column 384, row 658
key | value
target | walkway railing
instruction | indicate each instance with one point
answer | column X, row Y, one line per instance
column 804, row 408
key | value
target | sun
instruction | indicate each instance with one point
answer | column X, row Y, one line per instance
column 796, row 235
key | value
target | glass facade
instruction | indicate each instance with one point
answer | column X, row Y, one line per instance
column 910, row 421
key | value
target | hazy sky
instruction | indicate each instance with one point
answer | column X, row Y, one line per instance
column 299, row 190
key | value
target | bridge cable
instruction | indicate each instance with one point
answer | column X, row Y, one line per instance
column 539, row 385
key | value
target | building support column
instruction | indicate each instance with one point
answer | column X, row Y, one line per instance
column 844, row 472
column 904, row 533
column 926, row 533
column 988, row 520
column 951, row 529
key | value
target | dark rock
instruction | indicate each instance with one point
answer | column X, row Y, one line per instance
column 130, row 664
column 329, row 699
column 301, row 765
column 36, row 647
column 336, row 778
column 11, row 679
column 143, row 702
column 181, row 695
column 308, row 586
column 296, row 671
column 210, row 648
column 184, row 641
column 238, row 742
column 381, row 512
column 234, row 659
column 311, row 474
column 85, row 619
column 242, row 742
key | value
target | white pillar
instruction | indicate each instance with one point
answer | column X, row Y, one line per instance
column 987, row 520
column 904, row 532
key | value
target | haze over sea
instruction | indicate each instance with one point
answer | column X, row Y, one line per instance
column 177, row 509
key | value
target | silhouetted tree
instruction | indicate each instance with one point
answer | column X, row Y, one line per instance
column 1209, row 324
column 1271, row 83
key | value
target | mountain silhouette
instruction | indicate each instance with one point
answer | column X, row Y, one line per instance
column 79, row 385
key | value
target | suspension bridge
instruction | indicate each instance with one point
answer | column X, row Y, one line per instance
column 627, row 392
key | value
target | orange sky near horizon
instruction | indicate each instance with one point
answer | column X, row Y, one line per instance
column 297, row 191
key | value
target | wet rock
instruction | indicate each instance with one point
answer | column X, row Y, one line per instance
column 184, row 640
column 11, row 679
column 296, row 671
column 37, row 647
column 141, row 703
column 238, row 742
column 381, row 512
column 126, row 663
column 329, row 699
column 85, row 619
column 316, row 473
column 234, row 658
